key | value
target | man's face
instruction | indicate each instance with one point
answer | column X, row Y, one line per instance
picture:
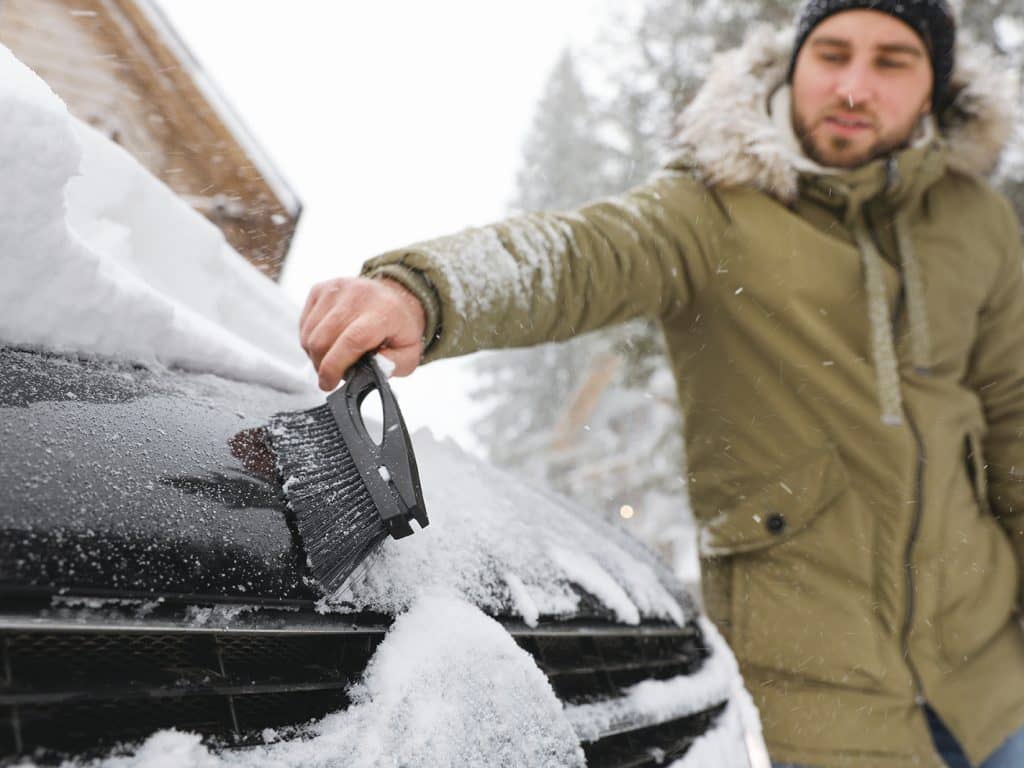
column 862, row 82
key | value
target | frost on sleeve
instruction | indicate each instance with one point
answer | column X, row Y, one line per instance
column 549, row 276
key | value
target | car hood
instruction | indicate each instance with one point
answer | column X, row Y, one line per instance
column 123, row 481
column 118, row 478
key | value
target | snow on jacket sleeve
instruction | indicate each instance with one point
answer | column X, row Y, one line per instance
column 549, row 276
column 997, row 375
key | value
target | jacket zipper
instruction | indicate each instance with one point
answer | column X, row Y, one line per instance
column 915, row 525
column 908, row 564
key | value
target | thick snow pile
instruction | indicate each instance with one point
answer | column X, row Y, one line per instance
column 99, row 257
column 448, row 686
column 511, row 550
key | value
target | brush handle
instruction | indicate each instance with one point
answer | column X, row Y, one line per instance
column 397, row 497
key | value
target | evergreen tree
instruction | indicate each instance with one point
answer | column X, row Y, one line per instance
column 527, row 388
column 562, row 157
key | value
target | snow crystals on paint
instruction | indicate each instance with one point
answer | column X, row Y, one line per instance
column 99, row 257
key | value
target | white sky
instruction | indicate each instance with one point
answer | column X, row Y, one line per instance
column 394, row 120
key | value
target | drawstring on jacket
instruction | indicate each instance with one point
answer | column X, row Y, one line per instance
column 882, row 345
column 882, row 340
column 920, row 336
column 848, row 197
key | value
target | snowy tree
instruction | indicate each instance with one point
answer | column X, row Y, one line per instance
column 1002, row 22
column 562, row 157
column 527, row 388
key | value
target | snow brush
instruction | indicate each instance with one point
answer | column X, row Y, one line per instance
column 347, row 492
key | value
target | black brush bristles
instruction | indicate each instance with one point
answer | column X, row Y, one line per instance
column 337, row 520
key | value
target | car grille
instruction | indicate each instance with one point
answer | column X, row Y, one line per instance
column 596, row 664
column 82, row 689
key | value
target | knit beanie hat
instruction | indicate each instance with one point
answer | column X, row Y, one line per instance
column 932, row 20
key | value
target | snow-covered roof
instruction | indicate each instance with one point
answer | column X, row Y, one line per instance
column 121, row 67
column 99, row 256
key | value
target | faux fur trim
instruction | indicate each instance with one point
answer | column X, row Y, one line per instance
column 727, row 137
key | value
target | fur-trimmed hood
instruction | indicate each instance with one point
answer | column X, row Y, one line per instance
column 727, row 135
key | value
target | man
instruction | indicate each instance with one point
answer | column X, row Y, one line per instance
column 842, row 299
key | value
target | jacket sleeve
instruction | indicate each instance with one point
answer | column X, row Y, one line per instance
column 997, row 374
column 549, row 276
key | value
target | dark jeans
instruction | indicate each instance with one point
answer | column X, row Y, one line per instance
column 1009, row 755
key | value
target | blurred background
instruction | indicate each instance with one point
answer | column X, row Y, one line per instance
column 395, row 121
column 319, row 134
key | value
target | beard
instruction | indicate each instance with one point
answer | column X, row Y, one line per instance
column 834, row 151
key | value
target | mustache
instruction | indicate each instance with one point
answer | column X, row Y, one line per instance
column 805, row 126
column 844, row 110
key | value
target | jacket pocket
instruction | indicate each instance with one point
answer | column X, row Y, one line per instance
column 980, row 576
column 788, row 572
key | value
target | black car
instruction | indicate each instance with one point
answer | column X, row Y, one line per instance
column 150, row 578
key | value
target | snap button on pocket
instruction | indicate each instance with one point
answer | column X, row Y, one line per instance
column 776, row 523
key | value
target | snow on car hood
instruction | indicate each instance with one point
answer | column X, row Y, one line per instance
column 99, row 257
column 511, row 550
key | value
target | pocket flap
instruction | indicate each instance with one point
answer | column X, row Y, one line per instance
column 779, row 509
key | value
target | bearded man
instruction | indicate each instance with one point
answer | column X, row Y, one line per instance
column 842, row 298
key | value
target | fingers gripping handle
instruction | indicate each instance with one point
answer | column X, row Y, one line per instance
column 396, row 492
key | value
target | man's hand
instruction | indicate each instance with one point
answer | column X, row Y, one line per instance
column 347, row 317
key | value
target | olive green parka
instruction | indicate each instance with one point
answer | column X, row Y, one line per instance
column 849, row 352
